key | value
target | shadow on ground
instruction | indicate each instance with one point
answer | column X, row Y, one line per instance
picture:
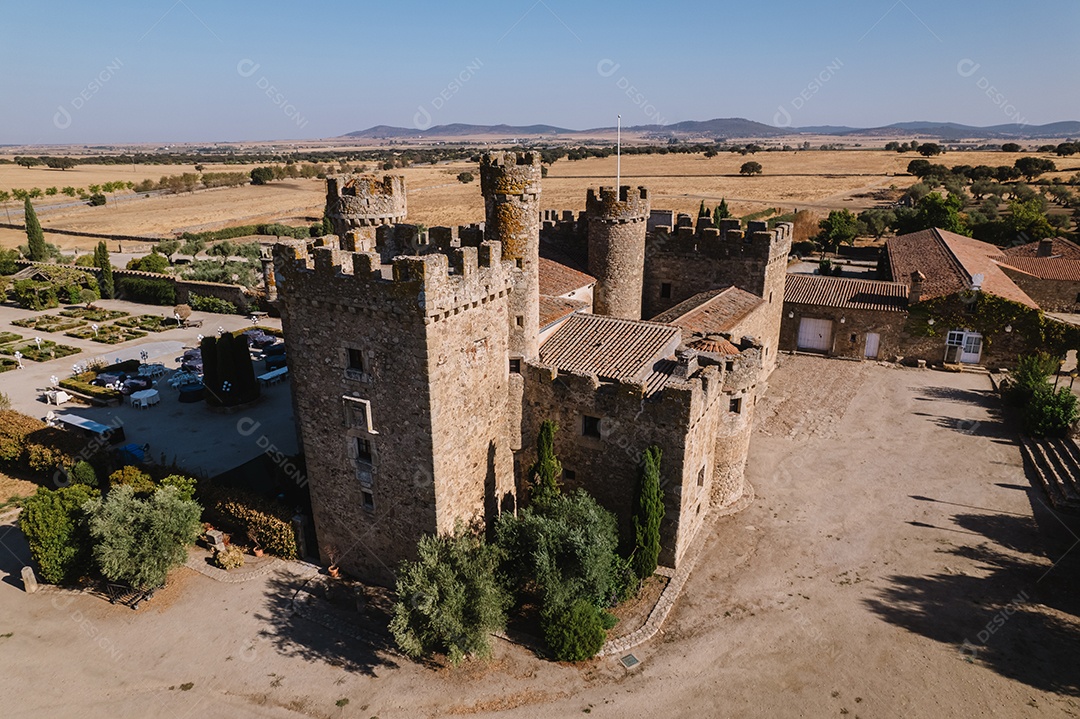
column 295, row 636
column 14, row 555
column 1017, row 613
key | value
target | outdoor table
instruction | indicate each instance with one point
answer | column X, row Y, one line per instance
column 274, row 376
column 145, row 398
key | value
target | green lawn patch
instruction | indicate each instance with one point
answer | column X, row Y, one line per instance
column 49, row 351
column 93, row 315
column 50, row 323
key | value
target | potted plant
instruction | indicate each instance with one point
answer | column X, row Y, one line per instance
column 332, row 554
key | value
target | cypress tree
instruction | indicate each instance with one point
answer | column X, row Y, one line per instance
column 544, row 475
column 102, row 262
column 35, row 238
column 703, row 211
column 721, row 212
column 648, row 512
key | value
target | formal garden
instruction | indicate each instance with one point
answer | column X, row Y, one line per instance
column 554, row 568
column 39, row 351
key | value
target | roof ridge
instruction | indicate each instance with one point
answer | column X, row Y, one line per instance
column 952, row 255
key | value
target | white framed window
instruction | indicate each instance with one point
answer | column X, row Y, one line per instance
column 955, row 338
column 358, row 414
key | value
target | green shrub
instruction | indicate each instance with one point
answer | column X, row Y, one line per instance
column 153, row 262
column 137, row 541
column 648, row 513
column 96, row 200
column 148, row 291
column 229, row 558
column 450, row 599
column 128, row 476
column 544, row 475
column 35, row 295
column 83, row 473
column 56, row 530
column 204, row 303
column 576, row 632
column 1049, row 413
column 266, row 523
column 185, row 486
column 563, row 551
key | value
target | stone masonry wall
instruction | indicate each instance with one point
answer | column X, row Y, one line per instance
column 421, row 336
column 617, row 219
column 849, row 337
column 363, row 201
column 1050, row 295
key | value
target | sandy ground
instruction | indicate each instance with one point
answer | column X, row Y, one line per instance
column 818, row 180
column 895, row 564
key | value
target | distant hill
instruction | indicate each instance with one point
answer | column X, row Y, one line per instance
column 458, row 130
column 738, row 127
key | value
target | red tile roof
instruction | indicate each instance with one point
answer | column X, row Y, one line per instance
column 1059, row 247
column 715, row 345
column 557, row 279
column 950, row 262
column 1045, row 268
column 608, row 347
column 711, row 312
column 553, row 309
column 846, row 293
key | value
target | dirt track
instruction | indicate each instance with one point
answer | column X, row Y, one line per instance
column 893, row 524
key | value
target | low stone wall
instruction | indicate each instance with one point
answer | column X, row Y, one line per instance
column 94, row 235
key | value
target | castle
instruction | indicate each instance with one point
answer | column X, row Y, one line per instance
column 424, row 361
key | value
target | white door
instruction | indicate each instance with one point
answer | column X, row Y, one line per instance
column 873, row 341
column 815, row 335
column 971, row 350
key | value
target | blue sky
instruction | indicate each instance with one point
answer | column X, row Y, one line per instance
column 206, row 71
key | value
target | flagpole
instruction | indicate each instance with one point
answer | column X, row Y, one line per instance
column 618, row 158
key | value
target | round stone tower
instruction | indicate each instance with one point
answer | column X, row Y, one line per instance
column 362, row 202
column 510, row 182
column 617, row 223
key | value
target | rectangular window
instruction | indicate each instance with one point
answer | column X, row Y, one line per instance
column 519, row 321
column 569, row 475
column 1078, row 299
column 357, row 365
column 369, row 500
column 729, row 366
column 363, row 449
column 356, row 360
column 515, row 366
column 955, row 339
column 701, row 477
column 665, row 290
column 735, row 405
column 590, row 426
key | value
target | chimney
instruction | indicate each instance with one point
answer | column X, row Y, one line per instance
column 687, row 364
column 916, row 290
column 1046, row 248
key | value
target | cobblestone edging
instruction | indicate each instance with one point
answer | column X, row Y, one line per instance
column 197, row 563
column 674, row 588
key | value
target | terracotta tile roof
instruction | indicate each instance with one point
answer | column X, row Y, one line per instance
column 1045, row 268
column 1059, row 247
column 553, row 309
column 715, row 345
column 558, row 279
column 846, row 293
column 950, row 262
column 712, row 311
column 608, row 347
column 659, row 376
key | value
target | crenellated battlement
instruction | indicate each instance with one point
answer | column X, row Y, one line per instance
column 510, row 174
column 724, row 242
column 617, row 206
column 364, row 201
column 434, row 285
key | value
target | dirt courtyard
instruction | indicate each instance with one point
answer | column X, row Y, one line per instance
column 895, row 563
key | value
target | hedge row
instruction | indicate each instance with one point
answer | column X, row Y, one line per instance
column 153, row 292
column 267, row 523
column 28, row 445
column 203, row 303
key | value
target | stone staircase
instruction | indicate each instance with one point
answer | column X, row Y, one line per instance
column 1057, row 466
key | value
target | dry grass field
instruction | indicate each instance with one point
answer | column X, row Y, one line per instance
column 815, row 180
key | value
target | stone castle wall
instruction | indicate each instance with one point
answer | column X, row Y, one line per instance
column 432, row 339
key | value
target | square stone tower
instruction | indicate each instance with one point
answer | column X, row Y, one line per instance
column 400, row 378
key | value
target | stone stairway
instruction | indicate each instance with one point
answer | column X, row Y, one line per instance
column 1057, row 466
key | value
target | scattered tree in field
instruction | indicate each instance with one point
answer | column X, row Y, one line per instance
column 465, row 177
column 839, row 228
column 1032, row 167
column 1010, row 147
column 544, row 475
column 933, row 210
column 35, row 237
column 750, row 168
column 1027, row 218
column 930, row 149
column 648, row 513
column 224, row 249
column 137, row 541
column 168, row 248
column 451, row 599
column 876, row 221
column 27, row 162
column 262, row 175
